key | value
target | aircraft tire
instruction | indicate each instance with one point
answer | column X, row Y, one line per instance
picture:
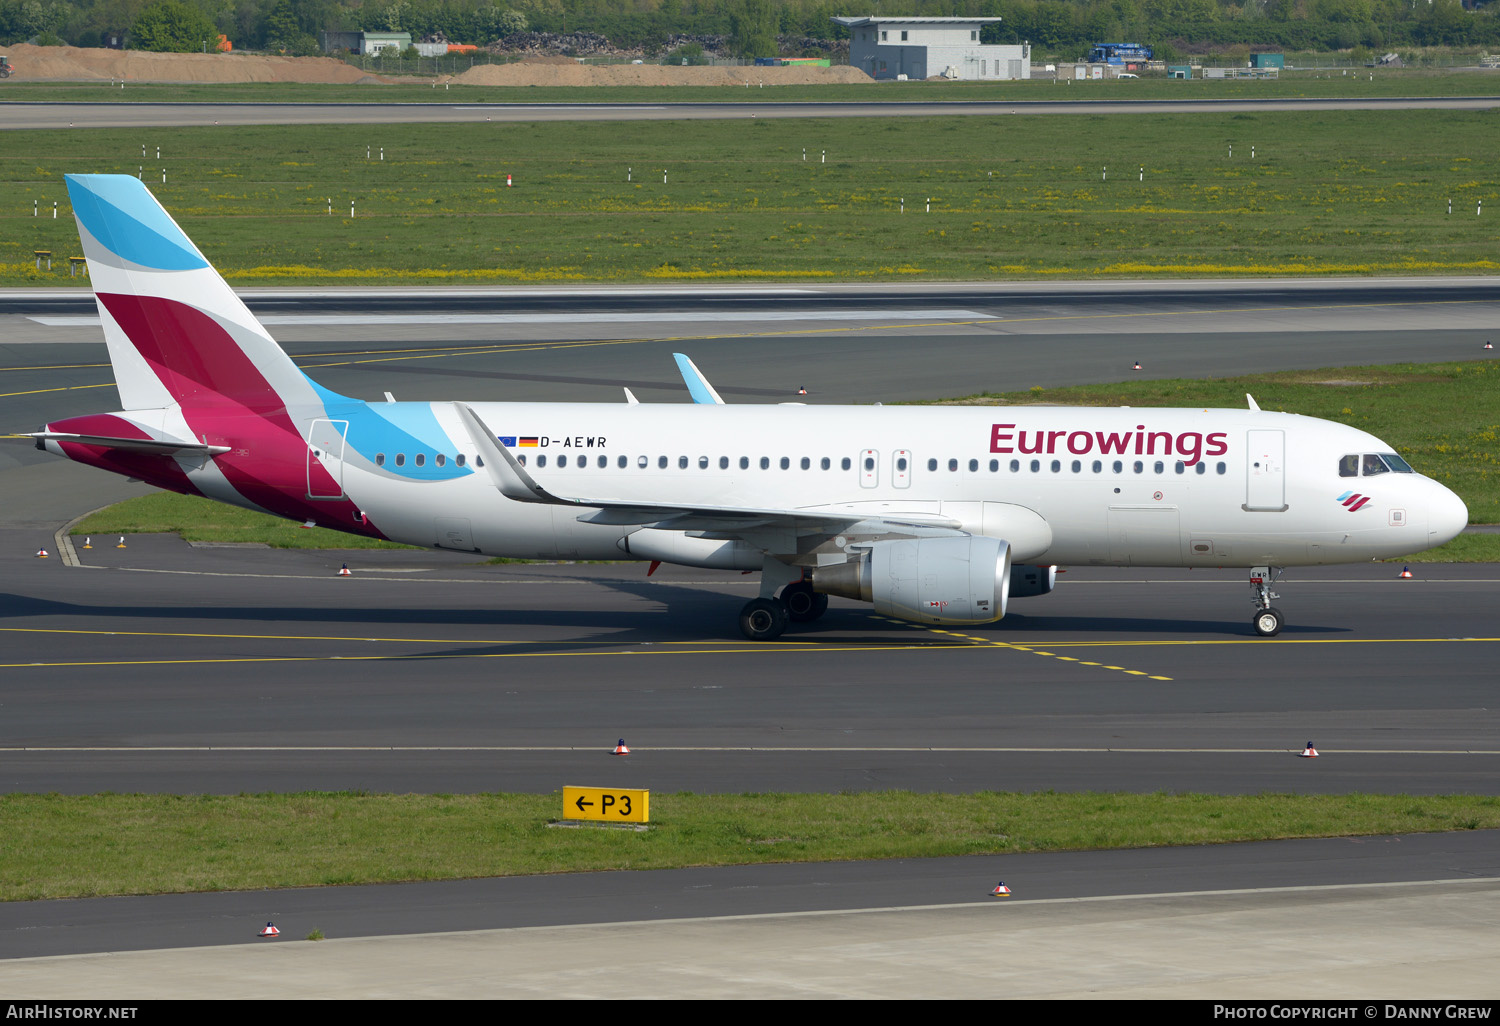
column 803, row 605
column 763, row 619
column 1268, row 622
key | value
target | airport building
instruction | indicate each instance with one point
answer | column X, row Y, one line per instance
column 918, row 48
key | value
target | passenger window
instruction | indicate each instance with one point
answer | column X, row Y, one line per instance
column 380, row 459
column 1160, row 466
column 460, row 459
column 744, row 462
column 1349, row 465
column 1374, row 465
column 869, row 463
column 806, row 463
column 603, row 462
column 1036, row 465
column 440, row 459
column 1221, row 468
column 1098, row 467
column 900, row 464
column 642, row 462
column 1077, row 466
column 952, row 466
column 1119, row 467
column 932, row 464
column 682, row 462
column 1056, row 466
column 723, row 462
column 785, row 462
column 973, row 466
column 844, row 463
column 825, row 463
column 541, row 461
column 765, row 463
column 1015, row 466
column 562, row 461
column 1181, row 467
column 420, row 459
column 400, row 459
column 1139, row 466
column 661, row 463
column 994, row 466
column 702, row 462
column 1200, row 467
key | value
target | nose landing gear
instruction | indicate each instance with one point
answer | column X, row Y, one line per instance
column 1268, row 620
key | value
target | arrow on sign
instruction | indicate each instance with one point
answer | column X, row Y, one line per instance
column 582, row 804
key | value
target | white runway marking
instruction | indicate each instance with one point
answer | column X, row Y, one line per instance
column 705, row 317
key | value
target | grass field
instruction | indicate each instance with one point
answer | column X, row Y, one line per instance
column 1442, row 417
column 57, row 846
column 1012, row 197
column 1341, row 83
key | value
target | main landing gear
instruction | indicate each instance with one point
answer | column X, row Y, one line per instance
column 1268, row 620
column 763, row 619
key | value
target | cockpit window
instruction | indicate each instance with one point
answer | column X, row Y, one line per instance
column 1349, row 465
column 1396, row 463
column 1373, row 465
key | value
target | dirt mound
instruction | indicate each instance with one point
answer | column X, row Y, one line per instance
column 571, row 73
column 74, row 64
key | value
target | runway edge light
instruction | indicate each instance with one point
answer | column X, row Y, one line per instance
column 269, row 931
column 1405, row 572
column 1309, row 752
column 344, row 571
column 1001, row 891
column 620, row 748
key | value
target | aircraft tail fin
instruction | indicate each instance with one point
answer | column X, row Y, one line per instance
column 176, row 331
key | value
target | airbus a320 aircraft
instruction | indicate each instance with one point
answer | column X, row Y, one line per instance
column 935, row 515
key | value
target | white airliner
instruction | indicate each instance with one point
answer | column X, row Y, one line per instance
column 935, row 515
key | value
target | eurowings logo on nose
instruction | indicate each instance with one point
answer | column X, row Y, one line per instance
column 1353, row 500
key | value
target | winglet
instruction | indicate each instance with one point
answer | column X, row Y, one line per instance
column 507, row 474
column 698, row 386
column 630, row 397
column 1251, row 400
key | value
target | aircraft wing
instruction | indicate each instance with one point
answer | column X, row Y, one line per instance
column 512, row 481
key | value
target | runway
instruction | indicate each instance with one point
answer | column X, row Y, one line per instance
column 168, row 667
column 126, row 114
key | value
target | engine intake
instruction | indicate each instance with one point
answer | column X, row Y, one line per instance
column 926, row 580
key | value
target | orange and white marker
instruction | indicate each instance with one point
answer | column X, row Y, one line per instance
column 309, row 523
column 1309, row 752
column 1001, row 891
column 1489, row 345
column 507, row 181
column 1137, row 365
column 344, row 571
column 1405, row 572
column 801, row 390
column 620, row 748
column 269, row 931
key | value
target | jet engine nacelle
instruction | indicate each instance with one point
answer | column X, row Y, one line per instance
column 927, row 580
column 1027, row 580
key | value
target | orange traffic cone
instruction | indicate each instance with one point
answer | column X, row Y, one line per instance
column 620, row 748
column 269, row 931
column 507, row 181
column 344, row 571
column 1405, row 572
column 41, row 553
column 1309, row 752
column 1001, row 891
column 801, row 390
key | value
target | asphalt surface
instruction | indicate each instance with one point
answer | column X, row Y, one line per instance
column 115, row 114
column 165, row 667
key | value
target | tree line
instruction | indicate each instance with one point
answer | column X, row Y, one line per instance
column 1065, row 28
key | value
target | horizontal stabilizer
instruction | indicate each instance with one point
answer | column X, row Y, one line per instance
column 164, row 446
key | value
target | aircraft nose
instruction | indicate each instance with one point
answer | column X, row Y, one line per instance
column 1446, row 517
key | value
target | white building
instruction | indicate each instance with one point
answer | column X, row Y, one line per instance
column 921, row 48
